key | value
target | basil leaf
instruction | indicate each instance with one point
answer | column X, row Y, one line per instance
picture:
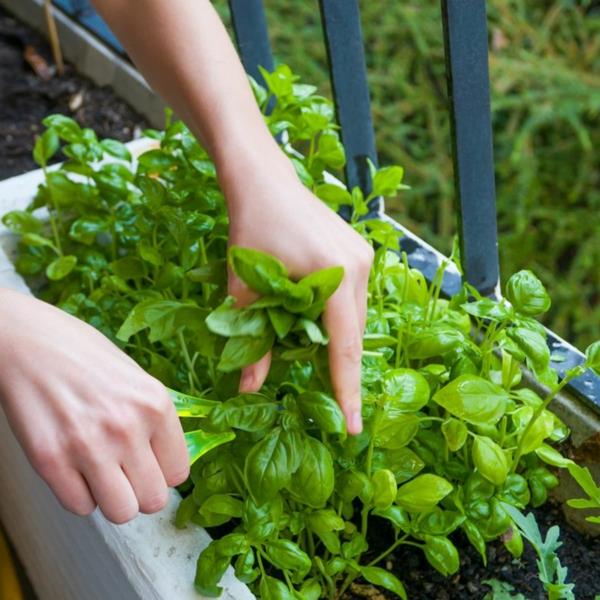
column 323, row 410
column 474, row 399
column 271, row 463
column 228, row 321
column 490, row 460
column 441, row 554
column 405, row 389
column 60, row 267
column 423, row 492
column 384, row 579
column 248, row 412
column 313, row 482
column 201, row 442
column 242, row 351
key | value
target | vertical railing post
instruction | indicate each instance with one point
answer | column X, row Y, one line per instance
column 250, row 27
column 344, row 41
column 466, row 49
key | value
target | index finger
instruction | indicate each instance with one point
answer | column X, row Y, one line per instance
column 342, row 322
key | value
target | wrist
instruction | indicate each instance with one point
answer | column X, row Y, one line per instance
column 250, row 166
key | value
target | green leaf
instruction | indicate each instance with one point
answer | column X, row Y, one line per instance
column 384, row 488
column 116, row 149
column 248, row 412
column 552, row 456
column 21, row 222
column 490, row 460
column 455, row 433
column 271, row 463
column 441, row 554
column 261, row 272
column 158, row 315
column 474, row 399
column 46, row 146
column 219, row 509
column 323, row 410
column 242, row 351
column 527, row 294
column 436, row 340
column 85, row 229
column 66, row 128
column 396, row 515
column 592, row 357
column 387, row 181
column 385, row 579
column 287, row 555
column 281, row 320
column 313, row 482
column 403, row 462
column 227, row 320
column 394, row 430
column 191, row 406
column 405, row 389
column 333, row 195
column 533, row 345
column 201, row 442
column 60, row 267
column 274, row 589
column 331, row 151
column 423, row 492
column 210, row 568
column 486, row 308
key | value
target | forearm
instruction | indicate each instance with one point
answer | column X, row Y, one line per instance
column 185, row 53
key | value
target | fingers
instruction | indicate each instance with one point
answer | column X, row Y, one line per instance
column 345, row 352
column 146, row 478
column 71, row 490
column 253, row 376
column 170, row 450
column 113, row 492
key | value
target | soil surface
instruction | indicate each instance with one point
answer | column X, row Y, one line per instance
column 27, row 96
column 579, row 553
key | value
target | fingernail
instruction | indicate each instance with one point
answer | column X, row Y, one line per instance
column 355, row 422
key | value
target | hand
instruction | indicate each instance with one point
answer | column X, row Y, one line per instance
column 270, row 210
column 95, row 426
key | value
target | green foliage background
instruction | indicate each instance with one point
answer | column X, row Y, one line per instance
column 545, row 71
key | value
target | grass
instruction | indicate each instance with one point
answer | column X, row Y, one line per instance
column 545, row 73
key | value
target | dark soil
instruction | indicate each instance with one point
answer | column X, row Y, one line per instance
column 579, row 553
column 26, row 98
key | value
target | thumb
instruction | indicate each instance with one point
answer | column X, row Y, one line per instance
column 254, row 375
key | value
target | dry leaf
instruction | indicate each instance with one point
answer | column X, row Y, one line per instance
column 38, row 63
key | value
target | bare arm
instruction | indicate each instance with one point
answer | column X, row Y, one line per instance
column 183, row 49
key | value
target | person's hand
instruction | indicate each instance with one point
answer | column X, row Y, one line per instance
column 95, row 426
column 270, row 210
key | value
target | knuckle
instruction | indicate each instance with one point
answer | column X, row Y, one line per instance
column 46, row 460
column 178, row 476
column 79, row 443
column 120, row 515
column 154, row 502
column 79, row 507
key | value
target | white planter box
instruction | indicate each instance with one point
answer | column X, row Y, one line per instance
column 72, row 558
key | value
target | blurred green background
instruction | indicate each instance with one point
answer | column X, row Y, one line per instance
column 545, row 72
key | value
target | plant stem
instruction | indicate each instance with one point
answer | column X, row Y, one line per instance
column 385, row 553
